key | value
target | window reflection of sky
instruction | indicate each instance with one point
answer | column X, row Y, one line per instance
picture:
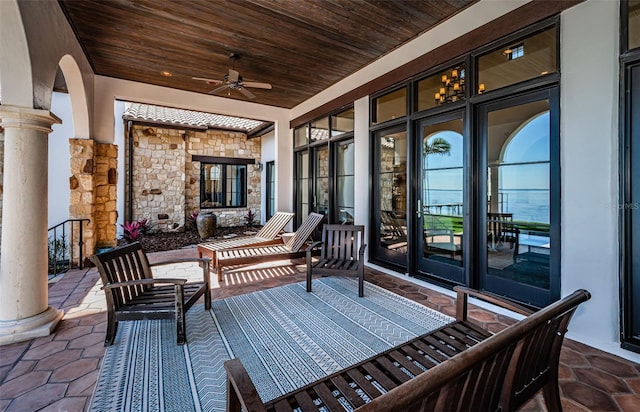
column 523, row 170
column 445, row 169
column 528, row 144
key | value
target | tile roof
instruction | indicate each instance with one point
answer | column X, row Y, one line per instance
column 189, row 118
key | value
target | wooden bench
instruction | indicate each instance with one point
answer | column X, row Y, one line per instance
column 341, row 253
column 459, row 367
column 133, row 294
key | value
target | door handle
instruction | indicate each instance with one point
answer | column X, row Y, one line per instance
column 419, row 211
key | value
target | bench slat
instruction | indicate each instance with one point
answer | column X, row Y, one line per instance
column 305, row 402
column 379, row 376
column 347, row 391
column 326, row 395
column 363, row 383
column 405, row 363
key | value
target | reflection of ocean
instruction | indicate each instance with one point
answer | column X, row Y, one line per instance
column 526, row 205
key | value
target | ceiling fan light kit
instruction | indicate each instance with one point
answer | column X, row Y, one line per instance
column 233, row 81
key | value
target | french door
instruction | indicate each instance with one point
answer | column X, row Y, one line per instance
column 440, row 202
column 389, row 232
column 518, row 198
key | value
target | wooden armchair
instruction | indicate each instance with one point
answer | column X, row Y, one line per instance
column 133, row 294
column 341, row 253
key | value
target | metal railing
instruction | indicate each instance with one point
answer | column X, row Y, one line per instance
column 63, row 238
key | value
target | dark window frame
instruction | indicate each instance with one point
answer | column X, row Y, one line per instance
column 223, row 178
column 310, row 148
column 629, row 304
column 469, row 106
column 270, row 177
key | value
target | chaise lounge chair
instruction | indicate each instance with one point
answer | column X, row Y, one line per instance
column 291, row 249
column 265, row 236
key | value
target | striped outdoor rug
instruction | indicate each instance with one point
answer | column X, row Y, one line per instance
column 284, row 336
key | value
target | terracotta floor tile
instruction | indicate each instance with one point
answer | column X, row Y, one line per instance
column 67, row 404
column 38, row 398
column 601, row 380
column 58, row 360
column 95, row 351
column 74, row 370
column 572, row 358
column 45, row 350
column 20, row 368
column 72, row 333
column 84, row 385
column 628, row 403
column 482, row 315
column 87, row 341
column 588, row 396
column 634, row 385
column 565, row 372
column 11, row 353
column 612, row 365
column 24, row 383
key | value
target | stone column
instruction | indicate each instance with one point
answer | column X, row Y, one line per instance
column 24, row 310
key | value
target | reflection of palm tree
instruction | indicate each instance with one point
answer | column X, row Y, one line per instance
column 438, row 146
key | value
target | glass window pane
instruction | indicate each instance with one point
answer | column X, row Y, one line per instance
column 391, row 106
column 345, row 182
column 223, row 185
column 271, row 189
column 532, row 57
column 443, row 191
column 342, row 122
column 302, row 175
column 444, row 87
column 634, row 23
column 518, row 194
column 300, row 137
column 320, row 130
column 393, row 192
column 235, row 185
column 321, row 181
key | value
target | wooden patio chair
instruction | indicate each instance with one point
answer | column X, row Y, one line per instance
column 265, row 236
column 133, row 294
column 291, row 249
column 341, row 253
column 393, row 233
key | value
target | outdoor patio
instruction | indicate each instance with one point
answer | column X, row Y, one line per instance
column 59, row 372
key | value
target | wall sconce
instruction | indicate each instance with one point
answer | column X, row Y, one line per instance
column 259, row 166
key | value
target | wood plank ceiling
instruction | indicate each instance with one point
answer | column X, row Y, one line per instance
column 300, row 47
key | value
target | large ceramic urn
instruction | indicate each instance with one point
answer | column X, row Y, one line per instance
column 206, row 224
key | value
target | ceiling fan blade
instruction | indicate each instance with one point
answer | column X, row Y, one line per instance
column 209, row 81
column 219, row 89
column 257, row 85
column 234, row 76
column 247, row 93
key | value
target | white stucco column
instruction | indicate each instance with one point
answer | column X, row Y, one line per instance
column 24, row 310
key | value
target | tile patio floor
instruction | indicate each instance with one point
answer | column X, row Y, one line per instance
column 59, row 372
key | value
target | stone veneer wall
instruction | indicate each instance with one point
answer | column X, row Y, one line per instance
column 166, row 182
column 92, row 186
column 158, row 177
column 105, row 211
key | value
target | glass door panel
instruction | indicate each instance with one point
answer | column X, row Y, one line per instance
column 302, row 186
column 390, row 191
column 345, row 183
column 441, row 198
column 271, row 190
column 320, row 194
column 519, row 241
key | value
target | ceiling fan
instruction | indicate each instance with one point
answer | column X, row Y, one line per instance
column 233, row 81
